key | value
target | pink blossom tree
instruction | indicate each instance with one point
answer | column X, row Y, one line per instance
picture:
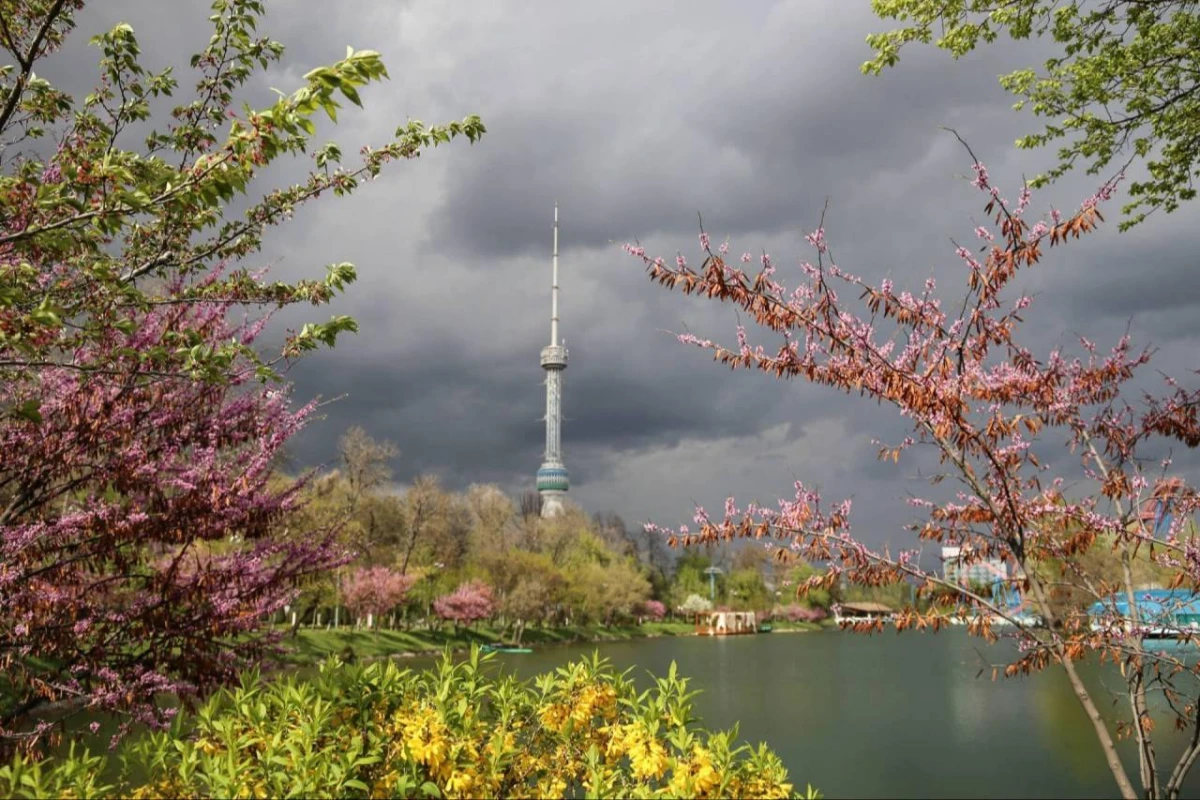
column 140, row 549
column 799, row 613
column 140, row 530
column 993, row 409
column 469, row 603
column 375, row 590
column 654, row 610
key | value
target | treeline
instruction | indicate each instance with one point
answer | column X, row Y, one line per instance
column 426, row 555
column 572, row 568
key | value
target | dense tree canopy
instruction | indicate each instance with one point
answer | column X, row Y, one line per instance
column 1122, row 80
column 141, row 535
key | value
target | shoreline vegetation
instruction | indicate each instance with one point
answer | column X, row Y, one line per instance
column 380, row 730
column 311, row 646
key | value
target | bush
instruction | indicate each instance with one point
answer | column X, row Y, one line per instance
column 795, row 613
column 695, row 604
column 375, row 591
column 469, row 603
column 653, row 610
column 454, row 731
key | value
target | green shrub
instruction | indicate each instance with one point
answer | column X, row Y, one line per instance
column 455, row 731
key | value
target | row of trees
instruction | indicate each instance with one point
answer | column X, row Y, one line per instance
column 427, row 555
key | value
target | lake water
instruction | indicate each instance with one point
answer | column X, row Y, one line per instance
column 882, row 716
column 887, row 715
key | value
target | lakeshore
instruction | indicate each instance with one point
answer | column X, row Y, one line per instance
column 889, row 695
column 311, row 646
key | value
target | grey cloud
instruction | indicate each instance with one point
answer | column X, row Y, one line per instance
column 636, row 117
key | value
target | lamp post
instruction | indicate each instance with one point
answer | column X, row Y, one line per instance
column 712, row 573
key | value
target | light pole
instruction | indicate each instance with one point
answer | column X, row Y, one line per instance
column 712, row 573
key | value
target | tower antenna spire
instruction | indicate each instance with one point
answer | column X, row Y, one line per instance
column 554, row 284
column 552, row 479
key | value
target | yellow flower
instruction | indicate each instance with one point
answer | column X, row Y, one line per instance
column 155, row 790
column 647, row 755
column 460, row 784
column 207, row 746
column 551, row 787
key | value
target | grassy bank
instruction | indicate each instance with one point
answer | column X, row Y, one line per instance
column 783, row 626
column 311, row 645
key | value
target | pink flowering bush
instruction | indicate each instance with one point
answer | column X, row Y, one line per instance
column 140, row 544
column 375, row 590
column 653, row 610
column 139, row 539
column 797, row 613
column 469, row 603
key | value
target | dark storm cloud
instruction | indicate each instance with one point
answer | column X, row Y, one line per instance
column 635, row 117
column 754, row 132
column 452, row 412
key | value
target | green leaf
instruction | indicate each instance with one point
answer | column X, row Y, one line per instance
column 29, row 410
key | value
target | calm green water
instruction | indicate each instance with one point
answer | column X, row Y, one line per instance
column 886, row 715
column 882, row 716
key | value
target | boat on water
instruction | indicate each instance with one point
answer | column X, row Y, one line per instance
column 504, row 648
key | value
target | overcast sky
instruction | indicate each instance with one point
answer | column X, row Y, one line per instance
column 636, row 117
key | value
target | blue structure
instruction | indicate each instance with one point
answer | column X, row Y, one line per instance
column 1162, row 517
column 1158, row 608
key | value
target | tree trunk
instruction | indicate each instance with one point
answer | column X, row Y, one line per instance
column 1111, row 757
column 298, row 619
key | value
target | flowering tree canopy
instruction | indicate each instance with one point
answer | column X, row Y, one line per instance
column 654, row 610
column 798, row 613
column 138, row 421
column 375, row 590
column 695, row 604
column 469, row 603
column 991, row 408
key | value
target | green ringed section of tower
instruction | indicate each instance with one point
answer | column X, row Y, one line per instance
column 552, row 479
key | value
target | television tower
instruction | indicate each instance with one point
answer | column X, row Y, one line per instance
column 552, row 483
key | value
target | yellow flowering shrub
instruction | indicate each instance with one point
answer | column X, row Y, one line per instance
column 381, row 730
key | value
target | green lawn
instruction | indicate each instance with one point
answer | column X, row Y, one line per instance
column 313, row 645
column 783, row 626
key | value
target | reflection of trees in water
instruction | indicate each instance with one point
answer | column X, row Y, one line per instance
column 1065, row 726
column 980, row 706
column 1069, row 733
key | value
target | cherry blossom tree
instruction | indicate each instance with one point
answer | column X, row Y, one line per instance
column 140, row 549
column 375, row 590
column 469, row 603
column 993, row 408
column 695, row 604
column 653, row 610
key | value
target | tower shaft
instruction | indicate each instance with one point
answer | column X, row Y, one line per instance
column 554, row 416
column 552, row 478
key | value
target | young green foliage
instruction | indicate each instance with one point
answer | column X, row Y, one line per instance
column 1123, row 80
column 457, row 730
